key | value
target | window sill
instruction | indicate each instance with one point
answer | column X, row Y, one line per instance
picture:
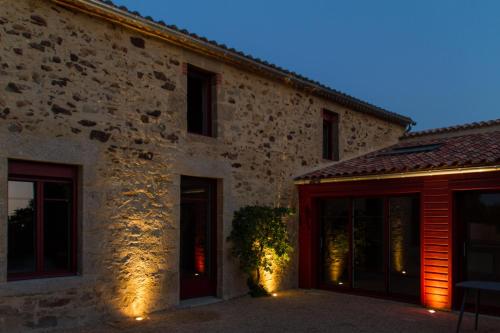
column 45, row 285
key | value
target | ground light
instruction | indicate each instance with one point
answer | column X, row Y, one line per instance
column 431, row 311
column 274, row 294
column 139, row 318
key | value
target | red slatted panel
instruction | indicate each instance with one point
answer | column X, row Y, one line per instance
column 436, row 245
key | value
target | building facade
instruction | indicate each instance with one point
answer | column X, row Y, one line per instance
column 126, row 147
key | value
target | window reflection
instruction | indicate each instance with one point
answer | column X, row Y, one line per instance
column 405, row 245
column 21, row 227
column 335, row 241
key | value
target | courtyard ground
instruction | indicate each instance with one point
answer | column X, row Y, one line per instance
column 301, row 311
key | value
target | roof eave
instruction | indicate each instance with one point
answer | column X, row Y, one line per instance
column 424, row 173
column 146, row 26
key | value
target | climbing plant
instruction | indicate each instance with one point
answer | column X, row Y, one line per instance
column 260, row 240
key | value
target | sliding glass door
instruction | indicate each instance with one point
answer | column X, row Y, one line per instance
column 334, row 242
column 478, row 242
column 404, row 243
column 370, row 244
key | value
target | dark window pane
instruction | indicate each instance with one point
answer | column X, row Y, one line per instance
column 21, row 227
column 57, row 190
column 368, row 244
column 405, row 246
column 327, row 142
column 57, row 228
column 195, row 104
column 335, row 151
column 199, row 102
column 334, row 241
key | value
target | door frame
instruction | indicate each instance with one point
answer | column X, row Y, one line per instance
column 193, row 291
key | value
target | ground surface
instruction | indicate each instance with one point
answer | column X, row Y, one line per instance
column 302, row 311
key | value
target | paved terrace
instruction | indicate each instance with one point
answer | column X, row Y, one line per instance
column 302, row 311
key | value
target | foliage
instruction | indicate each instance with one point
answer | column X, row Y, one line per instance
column 260, row 240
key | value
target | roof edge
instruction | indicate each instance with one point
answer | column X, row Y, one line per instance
column 198, row 44
column 452, row 129
column 399, row 175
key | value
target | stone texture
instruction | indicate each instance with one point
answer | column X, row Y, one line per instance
column 90, row 109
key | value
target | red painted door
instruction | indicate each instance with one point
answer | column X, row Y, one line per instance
column 198, row 267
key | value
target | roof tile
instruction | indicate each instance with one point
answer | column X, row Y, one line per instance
column 471, row 150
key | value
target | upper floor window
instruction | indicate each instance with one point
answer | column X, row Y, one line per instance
column 41, row 220
column 330, row 135
column 200, row 101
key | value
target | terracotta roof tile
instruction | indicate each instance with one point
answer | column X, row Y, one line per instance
column 472, row 150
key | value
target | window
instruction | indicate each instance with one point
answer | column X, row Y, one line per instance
column 411, row 149
column 41, row 220
column 330, row 135
column 200, row 101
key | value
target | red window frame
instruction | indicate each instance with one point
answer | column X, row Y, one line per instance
column 331, row 138
column 208, row 106
column 39, row 173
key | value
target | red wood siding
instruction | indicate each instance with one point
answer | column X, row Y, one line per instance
column 436, row 243
column 437, row 230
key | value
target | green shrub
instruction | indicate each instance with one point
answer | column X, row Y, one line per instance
column 260, row 239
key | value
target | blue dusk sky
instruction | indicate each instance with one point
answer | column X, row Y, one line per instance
column 437, row 61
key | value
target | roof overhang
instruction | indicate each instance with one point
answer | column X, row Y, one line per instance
column 211, row 49
column 427, row 173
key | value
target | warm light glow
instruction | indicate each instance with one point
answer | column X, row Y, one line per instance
column 271, row 281
column 341, row 283
column 139, row 318
column 337, row 250
column 432, row 311
column 274, row 294
column 403, row 272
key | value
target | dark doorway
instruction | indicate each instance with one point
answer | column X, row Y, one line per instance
column 198, row 264
column 478, row 243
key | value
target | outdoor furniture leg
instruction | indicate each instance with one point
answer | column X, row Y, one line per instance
column 477, row 309
column 462, row 308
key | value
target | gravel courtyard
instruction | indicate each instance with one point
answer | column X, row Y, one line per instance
column 302, row 311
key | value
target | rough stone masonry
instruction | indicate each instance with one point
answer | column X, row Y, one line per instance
column 75, row 89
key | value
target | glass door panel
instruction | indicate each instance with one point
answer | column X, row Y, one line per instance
column 368, row 244
column 334, row 242
column 198, row 237
column 480, row 215
column 404, row 258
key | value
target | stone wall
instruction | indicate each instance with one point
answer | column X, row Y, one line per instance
column 79, row 90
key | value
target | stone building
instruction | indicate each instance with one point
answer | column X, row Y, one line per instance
column 117, row 130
